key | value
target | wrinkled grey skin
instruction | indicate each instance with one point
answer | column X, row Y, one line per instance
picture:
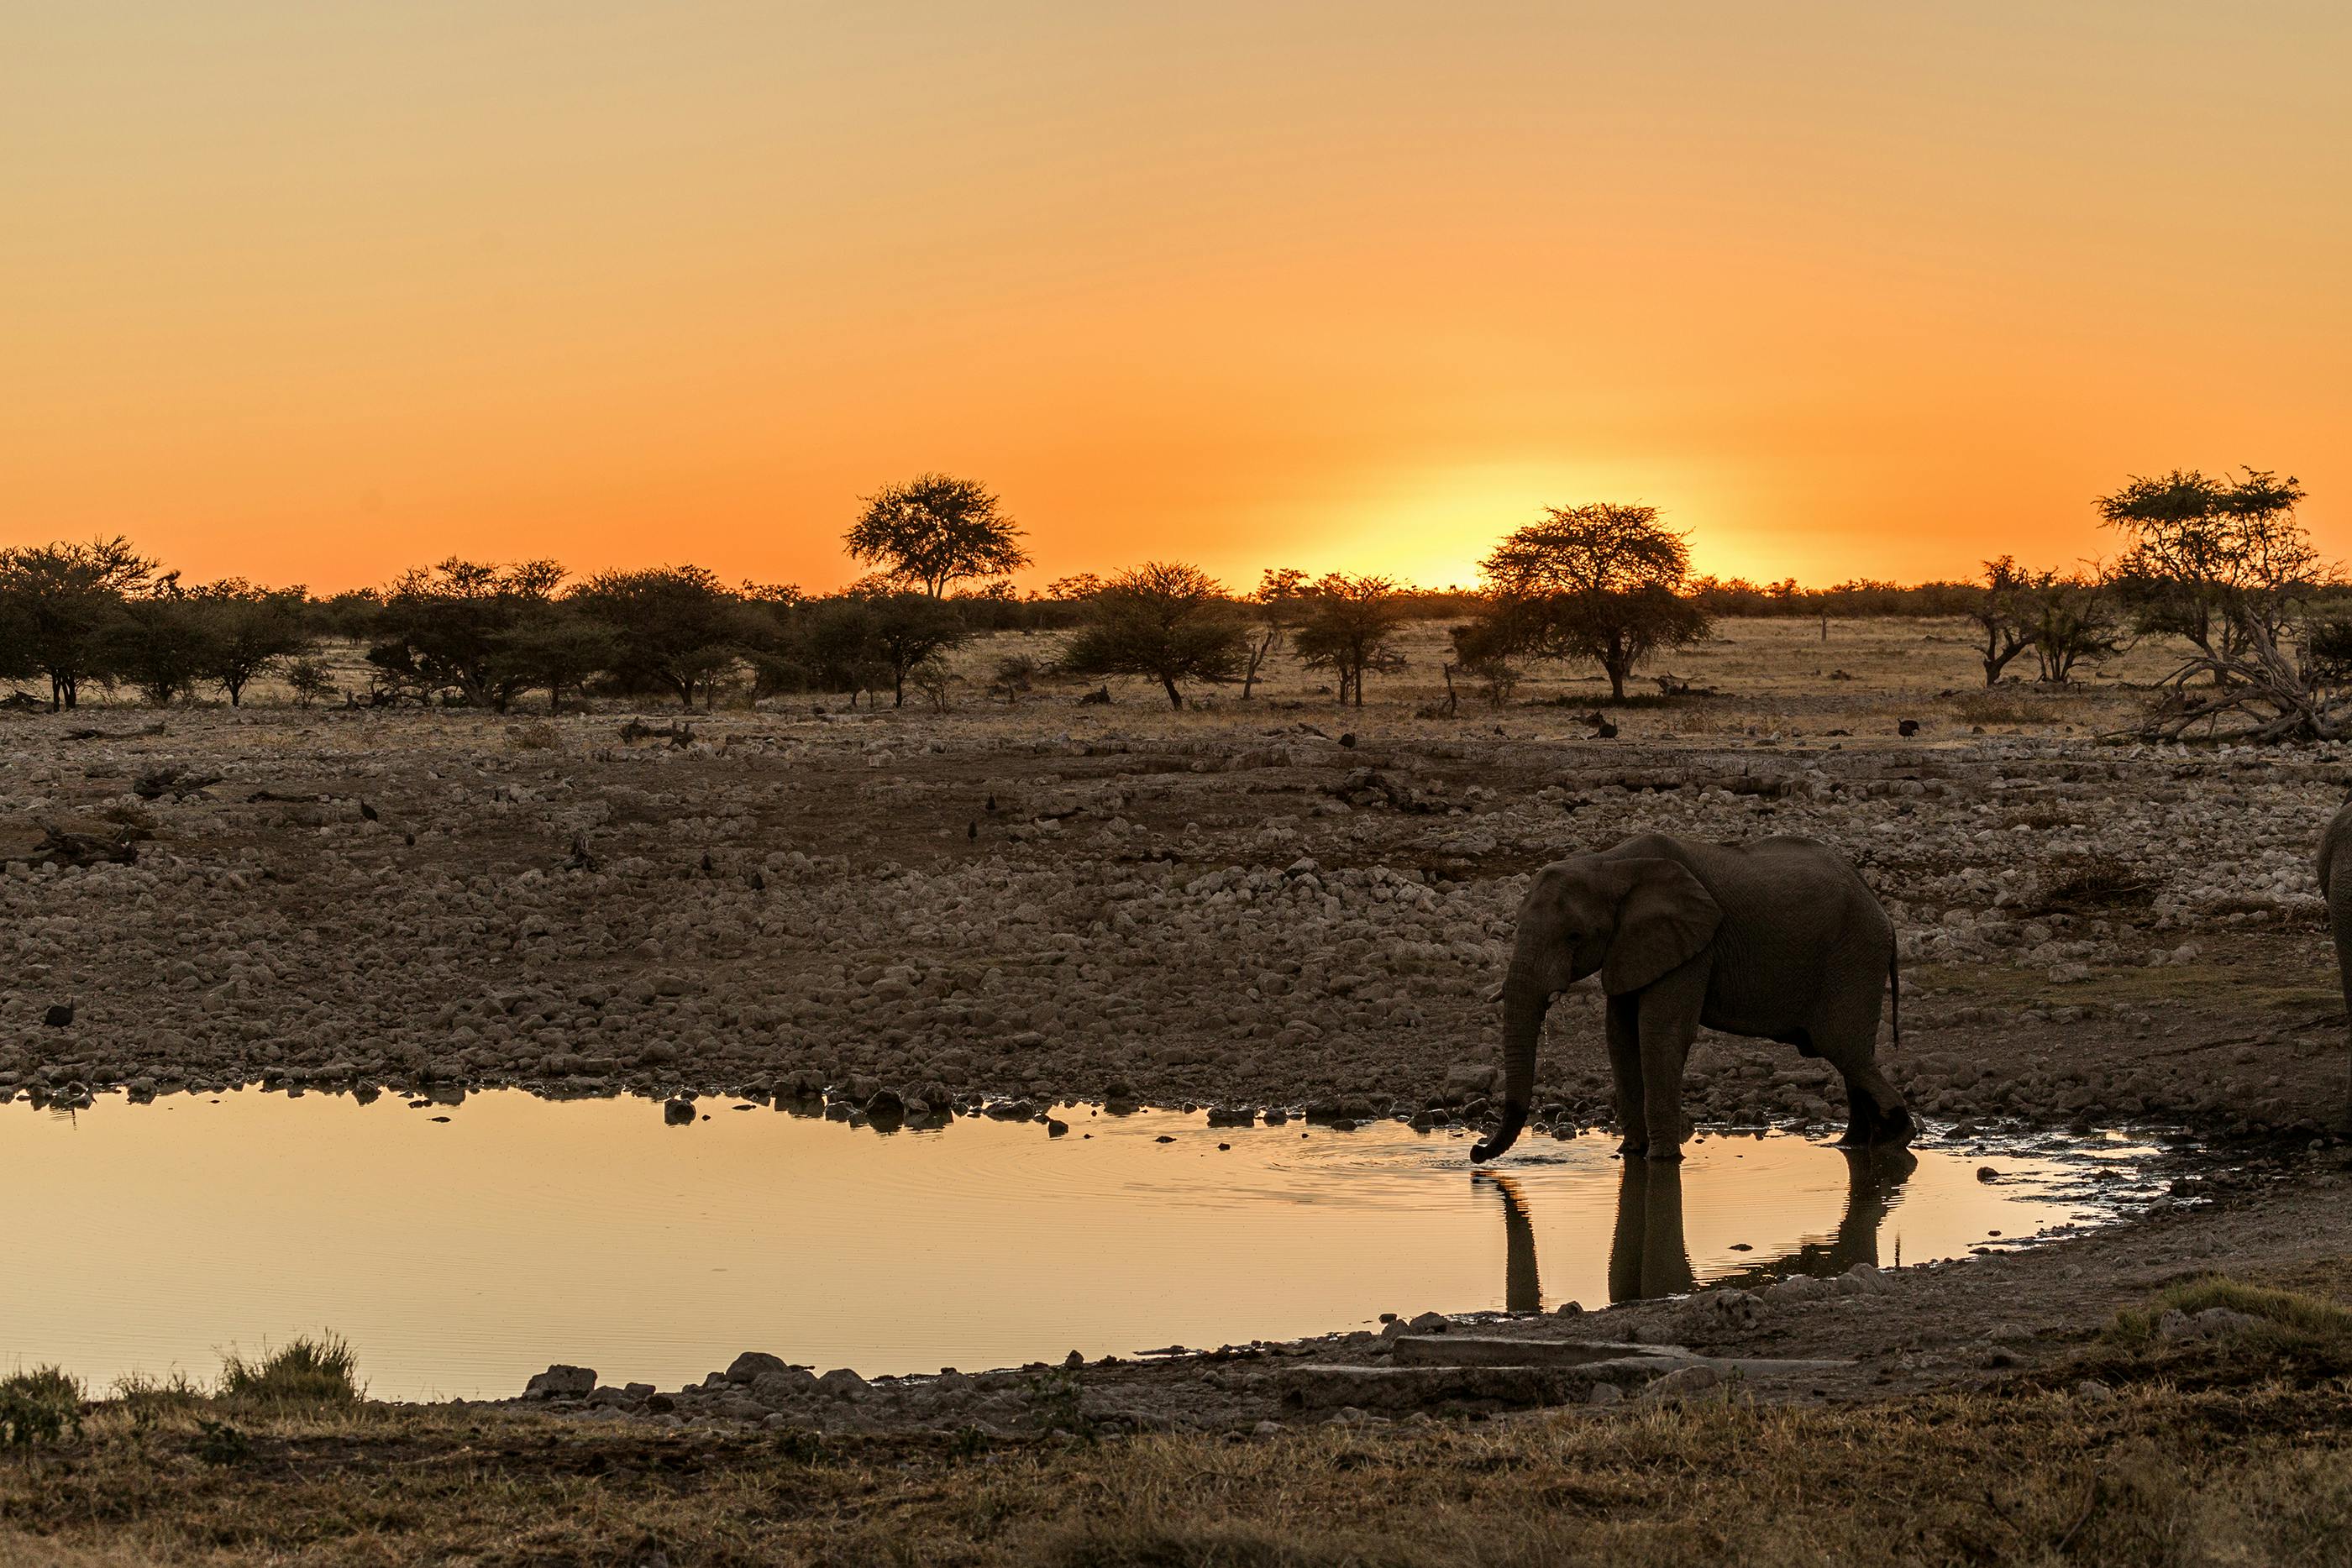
column 2336, row 883
column 1777, row 939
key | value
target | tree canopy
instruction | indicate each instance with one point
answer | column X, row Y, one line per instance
column 1600, row 582
column 1165, row 620
column 935, row 530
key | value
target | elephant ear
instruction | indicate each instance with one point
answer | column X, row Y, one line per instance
column 1662, row 920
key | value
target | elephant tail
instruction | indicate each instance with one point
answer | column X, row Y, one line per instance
column 1894, row 988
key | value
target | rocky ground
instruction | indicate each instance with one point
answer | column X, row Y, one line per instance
column 1276, row 904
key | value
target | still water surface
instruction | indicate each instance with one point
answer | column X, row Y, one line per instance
column 460, row 1256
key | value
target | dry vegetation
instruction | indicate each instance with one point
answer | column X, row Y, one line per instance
column 2231, row 1450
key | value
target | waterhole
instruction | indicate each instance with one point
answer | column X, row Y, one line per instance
column 461, row 1248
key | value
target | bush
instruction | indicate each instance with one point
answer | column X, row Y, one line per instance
column 43, row 1405
column 305, row 1370
column 310, row 680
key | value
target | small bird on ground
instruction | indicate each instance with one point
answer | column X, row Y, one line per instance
column 971, row 829
column 369, row 812
column 989, row 805
column 1907, row 728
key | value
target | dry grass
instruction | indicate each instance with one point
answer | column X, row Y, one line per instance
column 2247, row 1467
column 305, row 1370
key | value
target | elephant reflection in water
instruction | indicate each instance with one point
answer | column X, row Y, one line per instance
column 1647, row 1255
column 1522, row 1291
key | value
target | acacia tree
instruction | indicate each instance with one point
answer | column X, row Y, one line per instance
column 248, row 630
column 1165, row 620
column 2066, row 619
column 2224, row 564
column 442, row 627
column 674, row 628
column 1600, row 582
column 909, row 633
column 1276, row 606
column 934, row 530
column 554, row 647
column 157, row 642
column 57, row 603
column 1996, row 614
column 1350, row 622
column 2208, row 558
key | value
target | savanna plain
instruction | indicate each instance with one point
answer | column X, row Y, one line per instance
column 1041, row 910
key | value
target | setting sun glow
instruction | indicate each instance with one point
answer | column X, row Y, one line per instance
column 313, row 293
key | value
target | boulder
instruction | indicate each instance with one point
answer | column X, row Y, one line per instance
column 748, row 1366
column 562, row 1381
column 842, row 1383
column 1682, row 1383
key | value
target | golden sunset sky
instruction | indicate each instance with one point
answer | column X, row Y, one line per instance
column 312, row 291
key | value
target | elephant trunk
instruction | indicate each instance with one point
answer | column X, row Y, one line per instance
column 1524, row 1004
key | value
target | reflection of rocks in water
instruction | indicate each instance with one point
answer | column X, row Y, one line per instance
column 1647, row 1256
column 1522, row 1291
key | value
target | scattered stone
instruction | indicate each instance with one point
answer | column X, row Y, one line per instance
column 561, row 1382
column 1682, row 1383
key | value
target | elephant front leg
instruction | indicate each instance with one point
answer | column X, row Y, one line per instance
column 1623, row 1030
column 1669, row 1021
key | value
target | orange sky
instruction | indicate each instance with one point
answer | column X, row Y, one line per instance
column 312, row 292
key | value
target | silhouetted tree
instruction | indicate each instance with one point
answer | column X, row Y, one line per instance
column 554, row 647
column 157, row 642
column 936, row 530
column 2224, row 564
column 1597, row 582
column 57, row 603
column 910, row 631
column 838, row 648
column 1482, row 651
column 2065, row 620
column 442, row 626
column 674, row 628
column 353, row 614
column 1275, row 606
column 247, row 631
column 1349, row 624
column 1165, row 620
column 2215, row 561
column 1996, row 615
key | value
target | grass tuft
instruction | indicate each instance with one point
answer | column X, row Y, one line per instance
column 305, row 1370
column 42, row 1405
column 140, row 1392
column 2288, row 1316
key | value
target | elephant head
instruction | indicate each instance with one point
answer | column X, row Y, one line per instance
column 1633, row 920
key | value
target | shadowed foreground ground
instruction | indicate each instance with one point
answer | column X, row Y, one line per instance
column 2136, row 1450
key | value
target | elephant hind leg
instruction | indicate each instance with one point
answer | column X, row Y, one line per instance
column 1877, row 1116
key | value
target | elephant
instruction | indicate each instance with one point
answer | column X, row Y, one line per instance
column 2336, row 883
column 1778, row 939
